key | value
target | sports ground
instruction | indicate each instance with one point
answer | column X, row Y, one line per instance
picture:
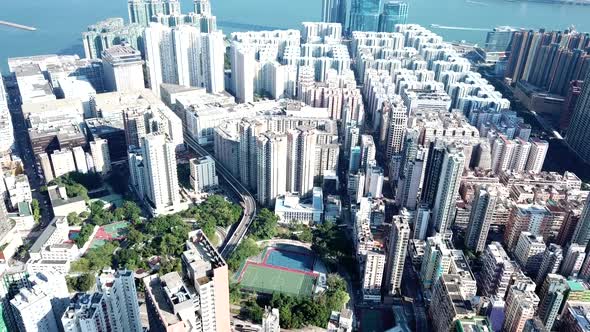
column 116, row 231
column 280, row 270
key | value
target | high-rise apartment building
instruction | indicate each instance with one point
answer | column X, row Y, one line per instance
column 143, row 12
column 394, row 124
column 184, row 55
column 448, row 188
column 573, row 260
column 80, row 159
column 525, row 218
column 301, row 154
column 398, row 246
column 86, row 312
column 63, row 162
column 271, row 152
column 99, row 149
column 6, row 129
column 154, row 175
column 552, row 295
column 436, row 261
column 582, row 231
column 497, row 270
column 120, row 295
column 203, row 174
column 480, row 219
column 135, row 127
column 208, row 273
column 537, row 155
column 39, row 304
column 449, row 303
column 112, row 31
column 550, row 263
column 521, row 304
column 529, row 252
column 123, row 69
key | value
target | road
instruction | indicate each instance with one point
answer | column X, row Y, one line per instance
column 411, row 288
column 25, row 151
column 237, row 233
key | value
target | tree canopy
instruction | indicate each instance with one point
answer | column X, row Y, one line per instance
column 264, row 225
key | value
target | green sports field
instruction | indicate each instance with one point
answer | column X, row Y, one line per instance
column 269, row 280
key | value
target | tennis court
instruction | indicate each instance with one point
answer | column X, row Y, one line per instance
column 268, row 279
column 289, row 259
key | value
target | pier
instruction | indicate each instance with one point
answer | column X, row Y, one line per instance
column 18, row 26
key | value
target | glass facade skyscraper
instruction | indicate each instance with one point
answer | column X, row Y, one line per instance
column 377, row 15
column 364, row 15
column 394, row 12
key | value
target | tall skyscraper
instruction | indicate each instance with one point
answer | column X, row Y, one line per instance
column 271, row 171
column 153, row 174
column 434, row 162
column 578, row 134
column 364, row 15
column 334, row 11
column 552, row 295
column 123, row 69
column 482, row 211
column 582, row 232
column 398, row 246
column 448, row 188
column 394, row 12
column 301, row 153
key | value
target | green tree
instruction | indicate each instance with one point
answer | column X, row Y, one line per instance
column 74, row 219
column 36, row 210
column 305, row 235
column 84, row 235
column 265, row 225
column 235, row 294
column 82, row 283
column 247, row 248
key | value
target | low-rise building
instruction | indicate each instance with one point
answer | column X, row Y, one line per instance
column 63, row 205
column 290, row 208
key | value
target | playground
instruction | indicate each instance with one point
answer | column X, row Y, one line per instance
column 111, row 232
column 288, row 270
